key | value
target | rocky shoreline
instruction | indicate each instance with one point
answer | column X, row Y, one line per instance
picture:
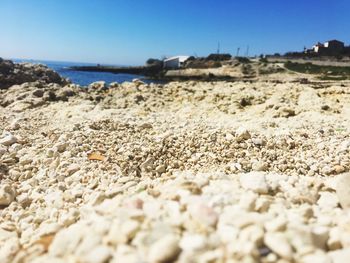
column 17, row 73
column 181, row 172
column 159, row 74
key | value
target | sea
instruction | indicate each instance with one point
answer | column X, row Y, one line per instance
column 84, row 78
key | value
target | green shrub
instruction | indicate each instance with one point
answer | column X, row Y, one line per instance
column 247, row 69
column 219, row 57
column 216, row 64
column 243, row 59
column 326, row 71
column 154, row 62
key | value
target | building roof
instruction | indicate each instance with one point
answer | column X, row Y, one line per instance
column 334, row 40
column 318, row 44
column 180, row 58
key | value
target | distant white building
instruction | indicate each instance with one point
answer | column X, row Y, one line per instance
column 329, row 47
column 318, row 47
column 175, row 62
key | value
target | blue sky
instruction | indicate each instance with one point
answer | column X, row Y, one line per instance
column 130, row 31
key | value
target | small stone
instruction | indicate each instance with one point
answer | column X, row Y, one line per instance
column 70, row 218
column 130, row 228
column 258, row 141
column 8, row 250
column 343, row 190
column 328, row 200
column 327, row 170
column 73, row 168
column 147, row 164
column 114, row 85
column 247, row 201
column 99, row 254
column 2, row 150
column 161, row 169
column 330, row 183
column 274, row 180
column 98, row 85
column 334, row 240
column 344, row 146
column 252, row 234
column 146, row 126
column 15, row 125
column 26, row 159
column 38, row 93
column 193, row 242
column 245, row 102
column 126, row 254
column 319, row 257
column 338, row 169
column 24, row 200
column 345, row 238
column 6, row 234
column 245, row 219
column 216, row 255
column 325, row 107
column 254, row 181
column 67, row 240
column 61, row 147
column 340, row 256
column 320, row 236
column 301, row 239
column 264, row 251
column 259, row 166
column 229, row 137
column 7, row 194
column 203, row 214
column 286, row 112
column 134, row 203
column 64, row 93
column 277, row 224
column 242, row 134
column 138, row 81
column 8, row 140
column 165, row 249
column 262, row 205
column 278, row 243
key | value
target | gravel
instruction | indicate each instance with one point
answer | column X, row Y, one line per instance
column 182, row 172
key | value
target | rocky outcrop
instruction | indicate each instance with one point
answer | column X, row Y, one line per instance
column 17, row 73
column 19, row 98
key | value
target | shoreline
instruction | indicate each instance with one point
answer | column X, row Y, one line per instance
column 154, row 73
column 141, row 70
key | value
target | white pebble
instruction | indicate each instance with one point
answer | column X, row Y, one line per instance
column 8, row 140
column 278, row 243
column 7, row 194
column 164, row 250
column 343, row 190
column 254, row 181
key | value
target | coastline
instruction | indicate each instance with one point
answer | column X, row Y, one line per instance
column 147, row 71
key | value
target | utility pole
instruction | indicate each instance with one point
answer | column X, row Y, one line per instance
column 218, row 50
column 238, row 51
column 247, row 52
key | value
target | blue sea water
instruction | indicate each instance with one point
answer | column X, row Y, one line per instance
column 84, row 78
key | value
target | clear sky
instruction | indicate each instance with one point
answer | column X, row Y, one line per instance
column 130, row 31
